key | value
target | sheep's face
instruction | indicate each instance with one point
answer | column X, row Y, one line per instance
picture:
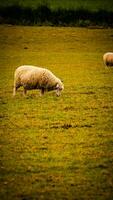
column 59, row 88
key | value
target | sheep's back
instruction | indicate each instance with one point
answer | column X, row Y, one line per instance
column 31, row 75
column 108, row 59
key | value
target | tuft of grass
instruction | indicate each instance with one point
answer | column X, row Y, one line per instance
column 50, row 147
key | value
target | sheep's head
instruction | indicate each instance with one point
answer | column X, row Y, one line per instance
column 59, row 87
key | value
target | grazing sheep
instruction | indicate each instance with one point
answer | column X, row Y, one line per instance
column 31, row 77
column 108, row 59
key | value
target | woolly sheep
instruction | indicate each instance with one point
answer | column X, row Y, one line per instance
column 108, row 59
column 32, row 77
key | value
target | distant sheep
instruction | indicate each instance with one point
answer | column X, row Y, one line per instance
column 108, row 59
column 32, row 77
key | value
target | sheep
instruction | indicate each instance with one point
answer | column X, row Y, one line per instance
column 32, row 77
column 108, row 59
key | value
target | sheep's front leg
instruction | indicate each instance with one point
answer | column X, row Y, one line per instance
column 42, row 92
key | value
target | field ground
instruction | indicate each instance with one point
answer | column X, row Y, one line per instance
column 50, row 147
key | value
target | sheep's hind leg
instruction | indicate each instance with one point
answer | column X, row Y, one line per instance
column 14, row 90
column 24, row 92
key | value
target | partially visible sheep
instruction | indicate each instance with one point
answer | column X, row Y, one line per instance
column 108, row 59
column 31, row 77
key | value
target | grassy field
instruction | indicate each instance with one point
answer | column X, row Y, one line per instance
column 57, row 147
column 66, row 4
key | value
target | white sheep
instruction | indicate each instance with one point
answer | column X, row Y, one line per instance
column 108, row 59
column 32, row 77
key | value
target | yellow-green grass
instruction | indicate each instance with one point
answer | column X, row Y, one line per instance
column 57, row 147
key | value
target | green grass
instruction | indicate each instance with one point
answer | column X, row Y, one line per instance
column 66, row 4
column 50, row 147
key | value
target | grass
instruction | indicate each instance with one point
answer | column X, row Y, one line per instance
column 50, row 147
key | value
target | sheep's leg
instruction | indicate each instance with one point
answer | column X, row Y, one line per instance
column 24, row 92
column 15, row 89
column 42, row 92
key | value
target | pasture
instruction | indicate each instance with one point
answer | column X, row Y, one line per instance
column 57, row 147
